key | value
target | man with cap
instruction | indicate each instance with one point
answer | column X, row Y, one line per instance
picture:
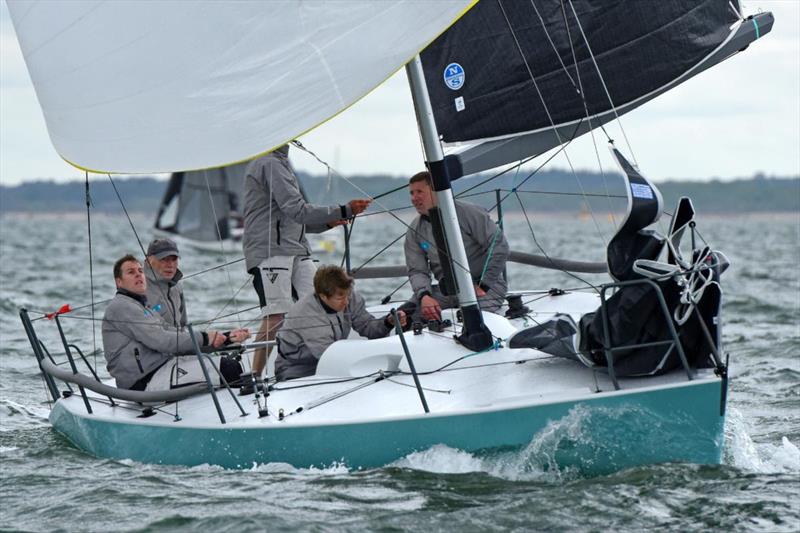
column 164, row 287
column 143, row 351
column 276, row 251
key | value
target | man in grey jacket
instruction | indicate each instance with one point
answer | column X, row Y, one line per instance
column 485, row 245
column 320, row 319
column 138, row 343
column 276, row 220
column 164, row 286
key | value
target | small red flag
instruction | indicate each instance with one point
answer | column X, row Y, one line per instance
column 63, row 309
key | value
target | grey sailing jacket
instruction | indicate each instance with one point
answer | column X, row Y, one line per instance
column 166, row 296
column 276, row 214
column 477, row 230
column 309, row 328
column 128, row 326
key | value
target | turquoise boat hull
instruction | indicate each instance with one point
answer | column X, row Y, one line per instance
column 602, row 433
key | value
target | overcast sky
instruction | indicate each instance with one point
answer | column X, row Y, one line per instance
column 735, row 120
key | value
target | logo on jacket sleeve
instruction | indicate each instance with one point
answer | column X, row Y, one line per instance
column 454, row 76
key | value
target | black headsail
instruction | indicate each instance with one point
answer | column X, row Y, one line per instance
column 480, row 74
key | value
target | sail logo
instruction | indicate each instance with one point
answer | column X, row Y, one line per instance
column 454, row 76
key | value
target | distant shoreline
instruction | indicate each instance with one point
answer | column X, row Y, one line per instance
column 549, row 192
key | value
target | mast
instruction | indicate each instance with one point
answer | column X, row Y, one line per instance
column 475, row 335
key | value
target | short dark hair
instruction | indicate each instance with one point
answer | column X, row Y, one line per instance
column 329, row 278
column 121, row 261
column 422, row 176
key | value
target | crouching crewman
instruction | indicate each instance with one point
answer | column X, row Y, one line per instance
column 320, row 319
column 141, row 348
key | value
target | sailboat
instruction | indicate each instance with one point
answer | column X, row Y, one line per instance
column 203, row 208
column 647, row 391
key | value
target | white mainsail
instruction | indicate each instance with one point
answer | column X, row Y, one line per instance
column 145, row 87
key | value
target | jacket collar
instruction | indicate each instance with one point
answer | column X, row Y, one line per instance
column 141, row 298
column 327, row 309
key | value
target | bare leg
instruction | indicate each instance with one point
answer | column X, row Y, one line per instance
column 269, row 327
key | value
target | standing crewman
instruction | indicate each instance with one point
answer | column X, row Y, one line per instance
column 276, row 219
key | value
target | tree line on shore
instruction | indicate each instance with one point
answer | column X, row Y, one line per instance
column 551, row 191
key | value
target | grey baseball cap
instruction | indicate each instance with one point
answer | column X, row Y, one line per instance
column 161, row 248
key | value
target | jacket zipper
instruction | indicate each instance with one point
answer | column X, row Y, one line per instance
column 278, row 232
column 138, row 361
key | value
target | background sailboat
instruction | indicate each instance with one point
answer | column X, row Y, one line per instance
column 203, row 208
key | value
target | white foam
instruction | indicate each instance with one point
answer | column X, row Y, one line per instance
column 742, row 452
column 441, row 459
column 16, row 415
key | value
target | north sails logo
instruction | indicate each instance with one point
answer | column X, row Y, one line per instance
column 454, row 76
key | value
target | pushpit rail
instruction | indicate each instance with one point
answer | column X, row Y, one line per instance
column 51, row 371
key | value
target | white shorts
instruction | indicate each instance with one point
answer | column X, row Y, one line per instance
column 281, row 280
column 183, row 370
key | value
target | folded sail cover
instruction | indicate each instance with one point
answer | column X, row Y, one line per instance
column 478, row 77
column 130, row 86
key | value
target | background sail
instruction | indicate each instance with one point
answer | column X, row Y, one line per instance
column 142, row 87
column 204, row 205
column 641, row 50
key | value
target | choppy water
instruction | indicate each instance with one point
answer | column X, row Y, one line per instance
column 46, row 484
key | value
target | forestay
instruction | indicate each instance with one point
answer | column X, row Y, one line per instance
column 144, row 87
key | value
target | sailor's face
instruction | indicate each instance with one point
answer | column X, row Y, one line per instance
column 166, row 268
column 337, row 301
column 132, row 279
column 422, row 197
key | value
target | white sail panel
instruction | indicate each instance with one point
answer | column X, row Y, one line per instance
column 142, row 87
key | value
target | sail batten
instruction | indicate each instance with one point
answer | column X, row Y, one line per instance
column 145, row 87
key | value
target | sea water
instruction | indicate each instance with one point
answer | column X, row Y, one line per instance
column 47, row 484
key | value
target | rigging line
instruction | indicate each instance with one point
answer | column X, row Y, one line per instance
column 365, row 263
column 547, row 110
column 586, row 111
column 559, row 193
column 231, row 300
column 535, row 171
column 219, row 236
column 362, row 191
column 384, row 211
column 145, row 263
column 91, row 265
column 348, row 232
column 125, row 210
column 515, row 166
column 603, row 82
column 533, row 234
column 205, row 271
column 72, row 309
column 582, row 95
column 518, row 165
column 555, row 49
column 218, row 319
